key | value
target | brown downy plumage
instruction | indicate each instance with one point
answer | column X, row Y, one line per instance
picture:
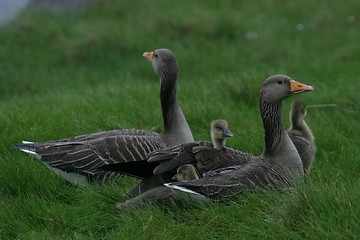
column 301, row 135
column 186, row 172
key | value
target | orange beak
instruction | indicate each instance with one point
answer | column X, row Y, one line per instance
column 148, row 55
column 298, row 87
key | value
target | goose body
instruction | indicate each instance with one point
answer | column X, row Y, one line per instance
column 219, row 131
column 165, row 160
column 165, row 168
column 78, row 159
column 301, row 135
column 278, row 165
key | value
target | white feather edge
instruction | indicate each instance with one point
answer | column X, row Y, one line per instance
column 169, row 185
column 188, row 194
column 71, row 177
column 27, row 142
column 30, row 152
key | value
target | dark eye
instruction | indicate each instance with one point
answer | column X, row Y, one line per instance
column 218, row 127
column 155, row 55
column 280, row 82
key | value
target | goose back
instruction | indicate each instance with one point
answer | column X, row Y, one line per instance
column 173, row 157
column 204, row 155
column 164, row 163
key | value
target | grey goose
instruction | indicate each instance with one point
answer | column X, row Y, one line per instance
column 279, row 164
column 301, row 135
column 77, row 159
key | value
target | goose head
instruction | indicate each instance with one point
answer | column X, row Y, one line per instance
column 164, row 63
column 278, row 87
column 219, row 132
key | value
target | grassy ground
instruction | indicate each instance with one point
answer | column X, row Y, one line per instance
column 65, row 75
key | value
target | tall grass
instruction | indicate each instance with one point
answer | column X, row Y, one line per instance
column 77, row 73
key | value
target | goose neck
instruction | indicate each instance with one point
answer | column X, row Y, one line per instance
column 218, row 144
column 169, row 105
column 273, row 126
column 176, row 128
column 297, row 121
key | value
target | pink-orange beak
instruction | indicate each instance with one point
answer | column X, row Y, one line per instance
column 298, row 87
column 148, row 55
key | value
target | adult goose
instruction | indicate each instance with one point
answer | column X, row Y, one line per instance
column 77, row 159
column 278, row 165
column 301, row 135
column 219, row 132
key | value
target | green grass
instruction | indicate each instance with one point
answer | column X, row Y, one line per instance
column 66, row 75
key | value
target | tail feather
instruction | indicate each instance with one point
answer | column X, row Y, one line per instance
column 46, row 152
column 25, row 146
column 30, row 152
column 46, row 148
column 28, row 147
